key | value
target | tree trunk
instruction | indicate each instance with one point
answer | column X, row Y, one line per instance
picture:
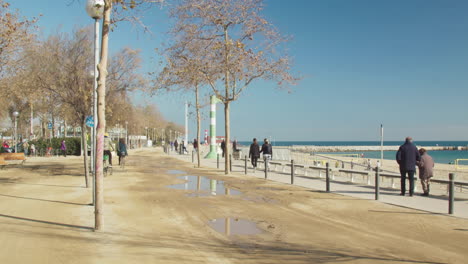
column 197, row 106
column 101, row 109
column 84, row 146
column 227, row 137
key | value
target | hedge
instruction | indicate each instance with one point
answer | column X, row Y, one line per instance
column 73, row 144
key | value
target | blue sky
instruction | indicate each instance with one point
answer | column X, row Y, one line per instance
column 403, row 63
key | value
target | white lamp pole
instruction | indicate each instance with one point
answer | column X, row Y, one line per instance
column 16, row 114
column 126, row 132
column 95, row 9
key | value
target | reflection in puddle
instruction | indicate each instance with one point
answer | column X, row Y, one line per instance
column 203, row 186
column 234, row 226
column 176, row 172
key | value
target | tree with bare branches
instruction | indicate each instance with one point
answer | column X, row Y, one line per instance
column 239, row 47
column 183, row 73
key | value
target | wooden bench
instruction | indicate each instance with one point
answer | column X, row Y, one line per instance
column 2, row 162
column 13, row 156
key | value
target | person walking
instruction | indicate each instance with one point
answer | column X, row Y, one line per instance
column 33, row 150
column 122, row 149
column 195, row 145
column 108, row 148
column 425, row 166
column 407, row 156
column 254, row 153
column 63, row 148
column 26, row 148
column 267, row 151
column 176, row 145
column 223, row 146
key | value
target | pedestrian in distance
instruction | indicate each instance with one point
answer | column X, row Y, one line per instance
column 234, row 145
column 223, row 146
column 108, row 148
column 425, row 165
column 176, row 145
column 267, row 151
column 407, row 156
column 122, row 149
column 26, row 148
column 63, row 148
column 33, row 150
column 254, row 153
column 184, row 148
column 195, row 145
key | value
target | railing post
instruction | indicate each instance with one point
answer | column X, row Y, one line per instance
column 245, row 164
column 451, row 192
column 292, row 171
column 377, row 183
column 230, row 162
column 217, row 161
column 327, row 173
column 193, row 156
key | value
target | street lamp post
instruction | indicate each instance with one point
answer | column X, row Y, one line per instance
column 95, row 9
column 126, row 133
column 16, row 114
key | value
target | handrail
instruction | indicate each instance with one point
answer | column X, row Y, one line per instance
column 382, row 174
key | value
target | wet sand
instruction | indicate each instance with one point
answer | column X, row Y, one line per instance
column 45, row 218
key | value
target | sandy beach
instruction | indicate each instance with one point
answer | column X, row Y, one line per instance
column 45, row 217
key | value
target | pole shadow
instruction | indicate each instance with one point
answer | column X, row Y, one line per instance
column 46, row 222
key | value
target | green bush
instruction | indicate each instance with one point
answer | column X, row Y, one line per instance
column 73, row 145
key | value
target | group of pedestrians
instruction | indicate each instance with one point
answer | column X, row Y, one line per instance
column 255, row 151
column 408, row 157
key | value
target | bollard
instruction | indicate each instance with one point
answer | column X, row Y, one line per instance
column 217, row 161
column 245, row 165
column 230, row 162
column 451, row 192
column 377, row 183
column 292, row 171
column 266, row 170
column 328, row 177
column 193, row 156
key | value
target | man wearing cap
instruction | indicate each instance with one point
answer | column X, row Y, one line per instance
column 407, row 156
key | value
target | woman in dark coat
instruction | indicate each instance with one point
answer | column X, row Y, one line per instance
column 254, row 152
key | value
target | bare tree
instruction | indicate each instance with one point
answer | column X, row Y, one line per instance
column 241, row 46
column 119, row 8
column 16, row 34
column 183, row 73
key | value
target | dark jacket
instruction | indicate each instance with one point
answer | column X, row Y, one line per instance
column 122, row 151
column 407, row 156
column 425, row 167
column 223, row 145
column 254, row 151
column 267, row 149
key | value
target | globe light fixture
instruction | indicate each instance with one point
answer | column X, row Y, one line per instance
column 95, row 8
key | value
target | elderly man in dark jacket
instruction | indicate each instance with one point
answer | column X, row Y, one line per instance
column 407, row 156
column 254, row 152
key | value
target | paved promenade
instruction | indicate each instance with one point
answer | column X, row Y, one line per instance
column 437, row 203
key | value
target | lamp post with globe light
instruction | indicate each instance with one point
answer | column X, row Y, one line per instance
column 95, row 9
column 16, row 114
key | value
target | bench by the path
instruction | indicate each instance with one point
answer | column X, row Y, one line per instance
column 11, row 156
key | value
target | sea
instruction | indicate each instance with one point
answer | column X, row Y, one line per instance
column 439, row 156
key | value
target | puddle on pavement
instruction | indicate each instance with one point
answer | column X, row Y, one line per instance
column 203, row 186
column 234, row 226
column 176, row 172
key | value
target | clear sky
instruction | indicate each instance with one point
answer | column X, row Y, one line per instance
column 400, row 63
